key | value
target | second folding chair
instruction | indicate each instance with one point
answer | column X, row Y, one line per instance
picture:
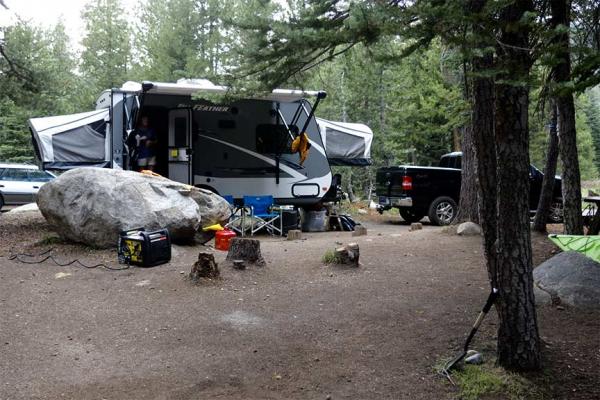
column 263, row 215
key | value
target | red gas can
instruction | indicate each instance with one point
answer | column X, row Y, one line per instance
column 222, row 239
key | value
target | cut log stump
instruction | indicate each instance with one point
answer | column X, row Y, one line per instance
column 245, row 250
column 348, row 254
column 205, row 267
column 415, row 226
column 294, row 234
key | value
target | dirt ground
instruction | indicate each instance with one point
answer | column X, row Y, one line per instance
column 294, row 329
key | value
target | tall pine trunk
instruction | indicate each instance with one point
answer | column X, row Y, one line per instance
column 567, row 134
column 518, row 337
column 547, row 192
column 482, row 121
column 468, row 210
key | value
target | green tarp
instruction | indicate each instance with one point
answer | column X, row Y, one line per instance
column 587, row 245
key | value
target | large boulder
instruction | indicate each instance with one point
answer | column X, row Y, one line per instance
column 570, row 277
column 92, row 205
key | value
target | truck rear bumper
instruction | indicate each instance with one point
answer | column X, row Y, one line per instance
column 389, row 202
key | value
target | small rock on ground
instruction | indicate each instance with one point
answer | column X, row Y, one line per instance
column 475, row 358
column 416, row 226
column 468, row 229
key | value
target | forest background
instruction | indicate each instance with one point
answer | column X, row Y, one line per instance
column 417, row 107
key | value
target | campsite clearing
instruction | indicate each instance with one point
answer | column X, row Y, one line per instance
column 294, row 329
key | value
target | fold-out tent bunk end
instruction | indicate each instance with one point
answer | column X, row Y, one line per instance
column 346, row 162
column 346, row 144
column 68, row 141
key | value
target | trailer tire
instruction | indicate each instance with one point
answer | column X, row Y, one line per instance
column 411, row 215
column 442, row 211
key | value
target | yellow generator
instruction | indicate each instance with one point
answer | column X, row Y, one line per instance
column 144, row 249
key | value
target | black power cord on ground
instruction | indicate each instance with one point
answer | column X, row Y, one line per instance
column 19, row 258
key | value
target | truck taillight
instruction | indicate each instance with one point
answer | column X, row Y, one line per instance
column 406, row 182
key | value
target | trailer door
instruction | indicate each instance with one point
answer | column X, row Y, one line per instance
column 180, row 145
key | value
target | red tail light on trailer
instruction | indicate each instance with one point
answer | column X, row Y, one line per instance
column 406, row 182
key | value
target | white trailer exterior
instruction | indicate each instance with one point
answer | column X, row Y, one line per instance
column 238, row 148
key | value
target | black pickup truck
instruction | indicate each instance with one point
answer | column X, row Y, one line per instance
column 434, row 191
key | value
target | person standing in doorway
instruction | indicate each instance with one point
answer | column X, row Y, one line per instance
column 146, row 142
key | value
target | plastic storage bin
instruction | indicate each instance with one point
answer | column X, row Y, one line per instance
column 314, row 221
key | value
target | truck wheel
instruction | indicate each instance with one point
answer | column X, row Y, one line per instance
column 442, row 211
column 410, row 215
column 555, row 216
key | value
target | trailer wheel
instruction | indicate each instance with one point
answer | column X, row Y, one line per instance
column 411, row 215
column 442, row 211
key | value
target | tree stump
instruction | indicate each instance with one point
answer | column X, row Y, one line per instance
column 348, row 254
column 205, row 267
column 415, row 226
column 359, row 230
column 247, row 250
column 294, row 234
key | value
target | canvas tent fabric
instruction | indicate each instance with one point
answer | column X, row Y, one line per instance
column 65, row 141
column 346, row 144
column 586, row 245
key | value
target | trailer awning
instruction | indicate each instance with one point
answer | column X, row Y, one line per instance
column 346, row 144
column 66, row 141
column 188, row 87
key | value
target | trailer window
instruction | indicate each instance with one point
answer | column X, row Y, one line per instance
column 273, row 139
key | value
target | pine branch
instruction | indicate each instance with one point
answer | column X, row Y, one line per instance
column 14, row 67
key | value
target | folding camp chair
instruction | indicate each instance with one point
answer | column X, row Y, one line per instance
column 237, row 219
column 262, row 214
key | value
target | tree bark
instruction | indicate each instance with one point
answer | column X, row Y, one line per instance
column 205, row 267
column 246, row 250
column 518, row 337
column 348, row 254
column 482, row 121
column 468, row 209
column 350, row 188
column 547, row 192
column 567, row 134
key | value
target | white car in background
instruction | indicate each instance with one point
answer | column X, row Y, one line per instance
column 19, row 183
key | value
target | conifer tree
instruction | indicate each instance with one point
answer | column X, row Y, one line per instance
column 106, row 57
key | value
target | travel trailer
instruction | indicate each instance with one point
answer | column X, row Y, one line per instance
column 239, row 148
